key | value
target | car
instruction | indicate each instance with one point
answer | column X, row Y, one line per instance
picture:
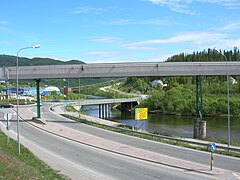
column 6, row 106
column 55, row 100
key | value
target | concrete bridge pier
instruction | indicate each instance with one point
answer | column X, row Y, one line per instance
column 199, row 129
column 127, row 106
column 104, row 111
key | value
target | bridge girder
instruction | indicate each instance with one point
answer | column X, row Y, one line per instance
column 122, row 70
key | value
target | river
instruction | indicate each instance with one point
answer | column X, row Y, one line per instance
column 175, row 125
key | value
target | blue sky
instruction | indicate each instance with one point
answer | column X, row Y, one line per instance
column 97, row 31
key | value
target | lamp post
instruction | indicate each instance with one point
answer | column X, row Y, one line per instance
column 228, row 103
column 18, row 132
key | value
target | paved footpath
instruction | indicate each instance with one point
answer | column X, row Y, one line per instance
column 119, row 148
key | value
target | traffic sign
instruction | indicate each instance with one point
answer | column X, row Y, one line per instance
column 7, row 117
column 141, row 113
column 213, row 147
column 65, row 103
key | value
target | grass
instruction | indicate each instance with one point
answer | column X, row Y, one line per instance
column 149, row 137
column 24, row 166
column 13, row 101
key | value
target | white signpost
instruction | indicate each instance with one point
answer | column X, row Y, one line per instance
column 8, row 117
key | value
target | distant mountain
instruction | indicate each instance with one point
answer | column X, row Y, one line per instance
column 8, row 61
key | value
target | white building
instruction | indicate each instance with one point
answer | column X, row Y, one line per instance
column 156, row 82
column 50, row 89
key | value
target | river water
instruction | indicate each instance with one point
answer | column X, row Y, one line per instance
column 175, row 125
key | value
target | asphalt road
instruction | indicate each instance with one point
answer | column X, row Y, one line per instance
column 83, row 162
column 221, row 161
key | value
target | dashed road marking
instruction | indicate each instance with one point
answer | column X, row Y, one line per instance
column 237, row 175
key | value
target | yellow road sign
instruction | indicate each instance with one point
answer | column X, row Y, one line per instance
column 141, row 113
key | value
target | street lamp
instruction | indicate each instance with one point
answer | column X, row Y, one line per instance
column 225, row 58
column 18, row 132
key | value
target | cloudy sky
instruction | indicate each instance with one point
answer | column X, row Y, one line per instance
column 97, row 31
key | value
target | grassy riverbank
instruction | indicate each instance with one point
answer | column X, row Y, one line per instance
column 24, row 166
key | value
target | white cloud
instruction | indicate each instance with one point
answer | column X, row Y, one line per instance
column 184, row 6
column 136, row 22
column 138, row 47
column 122, row 60
column 88, row 10
column 231, row 27
column 103, row 53
column 107, row 39
column 179, row 6
column 191, row 37
column 231, row 4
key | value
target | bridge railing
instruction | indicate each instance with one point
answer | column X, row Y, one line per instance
column 178, row 140
column 104, row 101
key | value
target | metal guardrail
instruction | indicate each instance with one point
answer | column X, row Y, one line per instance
column 204, row 144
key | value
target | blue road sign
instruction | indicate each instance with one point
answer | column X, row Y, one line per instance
column 213, row 147
column 65, row 103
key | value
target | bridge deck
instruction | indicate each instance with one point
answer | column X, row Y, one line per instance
column 122, row 70
column 106, row 101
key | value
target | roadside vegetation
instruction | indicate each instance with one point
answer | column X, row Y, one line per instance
column 179, row 96
column 24, row 166
column 180, row 99
column 14, row 101
column 70, row 96
column 109, row 93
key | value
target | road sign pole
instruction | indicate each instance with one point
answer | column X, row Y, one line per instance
column 8, row 117
column 212, row 148
column 212, row 161
column 7, row 123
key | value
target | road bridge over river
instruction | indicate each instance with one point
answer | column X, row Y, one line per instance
column 108, row 101
column 105, row 104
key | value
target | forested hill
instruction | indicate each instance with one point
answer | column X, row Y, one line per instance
column 206, row 55
column 8, row 61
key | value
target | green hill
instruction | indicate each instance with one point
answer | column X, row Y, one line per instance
column 8, row 61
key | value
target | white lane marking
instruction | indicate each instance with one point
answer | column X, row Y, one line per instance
column 237, row 175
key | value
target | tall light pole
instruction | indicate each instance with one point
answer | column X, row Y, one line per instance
column 18, row 132
column 225, row 58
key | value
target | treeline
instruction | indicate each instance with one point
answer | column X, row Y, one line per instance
column 179, row 97
column 181, row 100
column 207, row 55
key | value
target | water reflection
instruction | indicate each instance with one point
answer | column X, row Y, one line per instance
column 176, row 125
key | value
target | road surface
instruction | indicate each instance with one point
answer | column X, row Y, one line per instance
column 79, row 161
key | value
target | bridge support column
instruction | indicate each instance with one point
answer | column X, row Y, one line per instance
column 102, row 111
column 38, row 97
column 199, row 131
column 105, row 111
column 126, row 106
column 109, row 110
column 202, row 129
column 99, row 110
